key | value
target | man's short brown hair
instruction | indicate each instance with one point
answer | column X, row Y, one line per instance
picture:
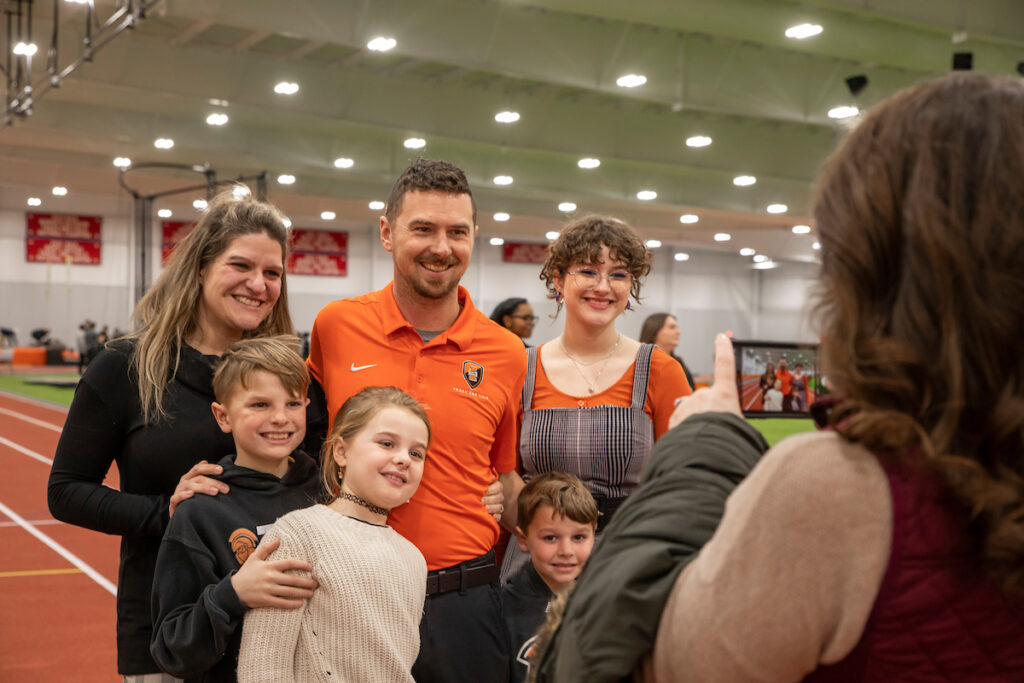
column 428, row 175
column 278, row 355
column 566, row 495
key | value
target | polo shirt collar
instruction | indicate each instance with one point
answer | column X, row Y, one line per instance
column 460, row 333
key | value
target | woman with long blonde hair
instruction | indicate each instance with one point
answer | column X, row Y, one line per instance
column 144, row 401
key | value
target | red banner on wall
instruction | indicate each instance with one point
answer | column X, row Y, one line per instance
column 522, row 252
column 318, row 252
column 173, row 232
column 62, row 238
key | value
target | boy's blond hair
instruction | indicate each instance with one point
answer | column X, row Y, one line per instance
column 566, row 495
column 278, row 355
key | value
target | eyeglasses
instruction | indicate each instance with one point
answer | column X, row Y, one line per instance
column 589, row 277
column 531, row 318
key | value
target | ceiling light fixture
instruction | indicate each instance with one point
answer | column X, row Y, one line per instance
column 816, row 246
column 59, row 190
column 567, row 207
column 217, row 119
column 766, row 265
column 777, row 208
column 588, row 162
column 698, row 141
column 747, row 251
column 26, row 49
column 744, row 180
column 328, row 215
column 377, row 205
column 286, row 88
column 343, row 162
column 381, row 44
column 122, row 162
column 631, row 80
column 501, row 216
column 286, row 179
column 963, row 61
column 689, row 218
column 497, row 241
column 722, row 237
column 760, row 258
column 551, row 235
column 240, row 191
column 415, row 143
column 646, row 195
column 856, row 84
column 163, row 143
column 681, row 256
column 652, row 244
column 34, row 201
column 165, row 213
column 801, row 229
column 503, row 180
column 200, row 204
column 801, row 31
column 843, row 112
column 506, row 116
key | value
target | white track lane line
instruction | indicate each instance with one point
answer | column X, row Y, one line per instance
column 60, row 550
column 22, row 449
column 31, row 420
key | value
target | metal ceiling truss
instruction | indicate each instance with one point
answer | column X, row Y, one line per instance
column 20, row 92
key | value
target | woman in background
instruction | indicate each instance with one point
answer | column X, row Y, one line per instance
column 662, row 330
column 515, row 315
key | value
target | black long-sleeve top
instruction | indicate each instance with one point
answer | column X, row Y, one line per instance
column 197, row 627
column 105, row 425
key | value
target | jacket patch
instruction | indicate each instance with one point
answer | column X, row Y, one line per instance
column 243, row 543
column 473, row 373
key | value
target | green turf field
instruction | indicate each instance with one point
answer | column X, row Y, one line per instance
column 16, row 384
column 776, row 430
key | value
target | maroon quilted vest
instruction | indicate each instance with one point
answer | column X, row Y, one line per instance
column 934, row 618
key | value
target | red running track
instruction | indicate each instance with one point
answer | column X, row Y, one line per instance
column 57, row 621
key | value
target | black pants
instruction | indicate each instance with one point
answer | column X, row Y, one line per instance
column 463, row 638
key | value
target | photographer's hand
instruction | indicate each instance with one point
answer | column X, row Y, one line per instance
column 721, row 396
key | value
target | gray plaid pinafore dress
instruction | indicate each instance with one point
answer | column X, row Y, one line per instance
column 605, row 446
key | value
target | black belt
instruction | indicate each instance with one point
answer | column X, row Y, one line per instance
column 479, row 571
column 606, row 507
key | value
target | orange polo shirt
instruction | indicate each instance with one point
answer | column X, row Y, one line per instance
column 469, row 378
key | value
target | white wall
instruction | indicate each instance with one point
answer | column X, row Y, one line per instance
column 709, row 293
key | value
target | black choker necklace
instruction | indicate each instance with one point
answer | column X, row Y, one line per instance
column 359, row 501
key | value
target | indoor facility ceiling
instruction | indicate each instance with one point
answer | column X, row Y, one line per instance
column 723, row 69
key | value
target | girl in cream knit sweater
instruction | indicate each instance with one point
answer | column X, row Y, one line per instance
column 362, row 623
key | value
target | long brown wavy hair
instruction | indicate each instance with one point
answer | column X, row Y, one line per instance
column 920, row 215
column 167, row 314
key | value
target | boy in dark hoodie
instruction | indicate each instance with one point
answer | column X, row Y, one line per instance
column 557, row 518
column 208, row 571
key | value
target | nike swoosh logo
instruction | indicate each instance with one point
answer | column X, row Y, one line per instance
column 357, row 368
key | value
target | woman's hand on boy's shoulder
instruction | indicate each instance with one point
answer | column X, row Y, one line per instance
column 194, row 480
column 266, row 583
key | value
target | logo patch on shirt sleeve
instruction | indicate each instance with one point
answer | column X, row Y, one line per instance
column 243, row 543
column 473, row 373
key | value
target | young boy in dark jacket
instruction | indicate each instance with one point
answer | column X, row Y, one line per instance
column 208, row 571
column 557, row 519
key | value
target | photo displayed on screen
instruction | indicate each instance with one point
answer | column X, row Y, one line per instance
column 776, row 379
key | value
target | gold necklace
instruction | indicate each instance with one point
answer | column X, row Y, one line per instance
column 579, row 365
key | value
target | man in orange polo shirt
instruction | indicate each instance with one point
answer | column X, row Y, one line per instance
column 422, row 333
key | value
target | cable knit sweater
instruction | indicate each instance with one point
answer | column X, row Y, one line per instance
column 362, row 623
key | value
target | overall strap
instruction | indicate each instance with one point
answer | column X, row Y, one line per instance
column 531, row 378
column 642, row 375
